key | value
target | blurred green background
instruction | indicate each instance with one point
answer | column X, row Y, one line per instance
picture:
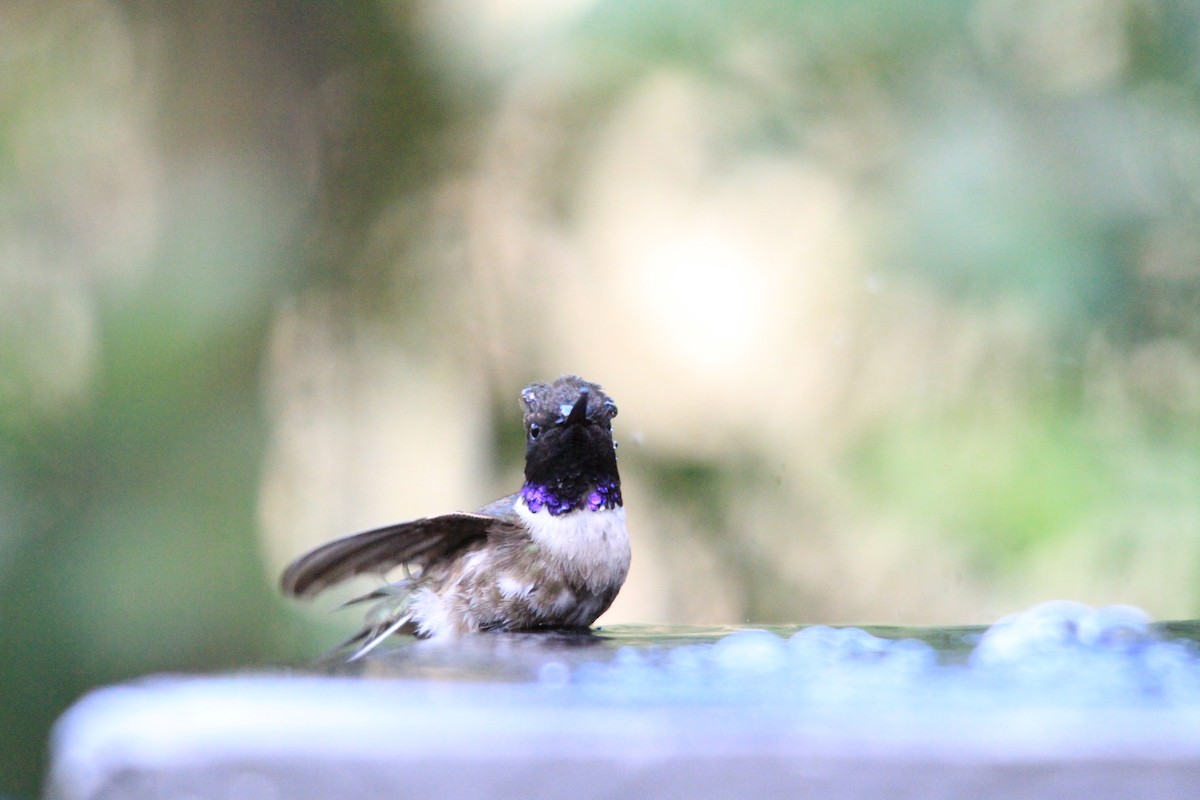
column 898, row 300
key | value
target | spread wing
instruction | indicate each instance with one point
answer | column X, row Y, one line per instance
column 417, row 543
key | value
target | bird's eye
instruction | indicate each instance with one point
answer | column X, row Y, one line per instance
column 611, row 407
column 534, row 430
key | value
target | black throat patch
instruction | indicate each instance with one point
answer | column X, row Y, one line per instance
column 570, row 456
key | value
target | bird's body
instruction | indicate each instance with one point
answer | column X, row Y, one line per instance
column 553, row 555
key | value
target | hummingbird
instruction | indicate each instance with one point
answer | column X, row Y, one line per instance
column 551, row 556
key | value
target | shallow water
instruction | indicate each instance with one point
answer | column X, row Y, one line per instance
column 1055, row 655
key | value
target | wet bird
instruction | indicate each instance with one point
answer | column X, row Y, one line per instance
column 551, row 556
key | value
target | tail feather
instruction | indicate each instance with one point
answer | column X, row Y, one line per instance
column 390, row 614
column 373, row 636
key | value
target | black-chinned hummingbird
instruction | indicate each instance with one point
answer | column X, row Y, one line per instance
column 552, row 556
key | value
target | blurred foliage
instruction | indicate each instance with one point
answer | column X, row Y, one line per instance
column 898, row 301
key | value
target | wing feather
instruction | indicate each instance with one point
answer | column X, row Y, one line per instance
column 417, row 543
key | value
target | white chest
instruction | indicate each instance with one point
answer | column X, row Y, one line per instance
column 593, row 544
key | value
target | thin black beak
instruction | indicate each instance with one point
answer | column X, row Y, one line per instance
column 579, row 410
